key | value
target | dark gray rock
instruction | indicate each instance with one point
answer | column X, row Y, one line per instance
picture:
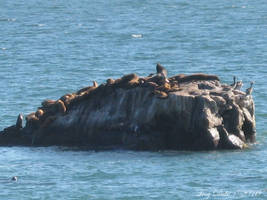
column 189, row 113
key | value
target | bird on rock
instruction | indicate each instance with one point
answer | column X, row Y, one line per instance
column 233, row 85
column 250, row 89
column 239, row 85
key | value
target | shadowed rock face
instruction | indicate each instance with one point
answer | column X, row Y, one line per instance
column 193, row 112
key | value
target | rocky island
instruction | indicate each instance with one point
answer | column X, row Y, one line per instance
column 183, row 112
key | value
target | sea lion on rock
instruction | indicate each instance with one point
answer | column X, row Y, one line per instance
column 177, row 77
column 150, row 84
column 127, row 81
column 39, row 113
column 31, row 116
column 95, row 84
column 19, row 121
column 161, row 71
column 61, row 106
column 110, row 81
column 32, row 120
column 83, row 90
column 166, row 87
column 67, row 99
column 198, row 77
column 48, row 103
column 160, row 94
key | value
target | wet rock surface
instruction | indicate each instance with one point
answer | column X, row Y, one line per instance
column 194, row 112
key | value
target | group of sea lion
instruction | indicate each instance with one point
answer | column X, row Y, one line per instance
column 159, row 82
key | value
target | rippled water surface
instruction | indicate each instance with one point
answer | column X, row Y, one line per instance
column 49, row 48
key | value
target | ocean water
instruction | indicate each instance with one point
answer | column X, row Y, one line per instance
column 50, row 48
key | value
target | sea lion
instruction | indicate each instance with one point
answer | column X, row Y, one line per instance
column 161, row 71
column 39, row 113
column 127, row 81
column 67, row 99
column 151, row 84
column 160, row 94
column 166, row 87
column 19, row 121
column 61, row 106
column 32, row 120
column 31, row 116
column 83, row 90
column 47, row 103
column 182, row 78
column 110, row 81
column 198, row 77
column 250, row 89
column 95, row 84
column 177, row 77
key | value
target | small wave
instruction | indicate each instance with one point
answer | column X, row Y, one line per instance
column 8, row 19
column 41, row 25
column 12, row 19
column 137, row 35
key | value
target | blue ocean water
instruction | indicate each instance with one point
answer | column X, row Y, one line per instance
column 49, row 48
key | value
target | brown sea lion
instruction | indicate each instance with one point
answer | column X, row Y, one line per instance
column 95, row 84
column 160, row 94
column 39, row 113
column 67, row 99
column 165, row 87
column 31, row 116
column 127, row 81
column 177, row 77
column 110, row 81
column 150, row 84
column 161, row 71
column 83, row 90
column 32, row 120
column 195, row 77
column 61, row 106
column 48, row 103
